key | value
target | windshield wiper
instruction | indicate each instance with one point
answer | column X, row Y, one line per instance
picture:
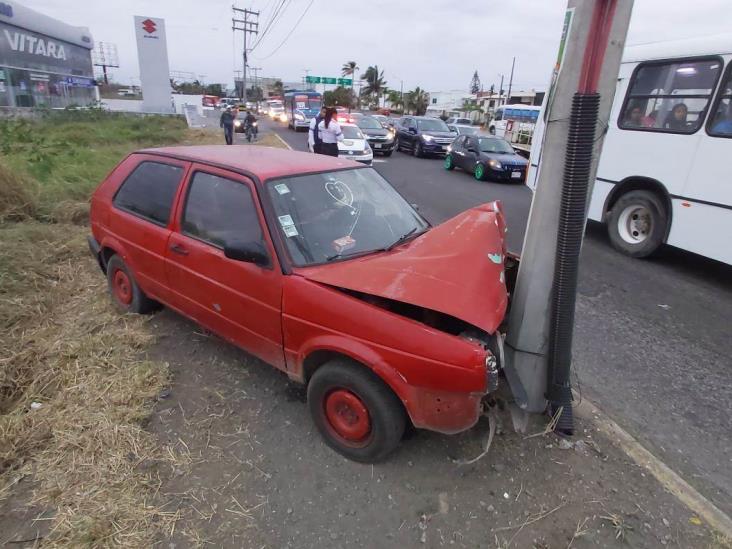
column 401, row 239
column 349, row 254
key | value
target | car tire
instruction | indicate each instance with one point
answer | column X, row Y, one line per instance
column 637, row 223
column 449, row 163
column 492, row 130
column 356, row 413
column 479, row 172
column 126, row 294
column 417, row 149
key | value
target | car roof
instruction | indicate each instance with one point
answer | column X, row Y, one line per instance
column 262, row 162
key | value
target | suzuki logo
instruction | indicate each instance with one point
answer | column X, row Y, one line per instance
column 149, row 26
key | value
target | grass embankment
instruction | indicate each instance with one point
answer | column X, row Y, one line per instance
column 74, row 392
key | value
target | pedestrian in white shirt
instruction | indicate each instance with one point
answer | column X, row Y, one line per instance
column 313, row 135
column 330, row 133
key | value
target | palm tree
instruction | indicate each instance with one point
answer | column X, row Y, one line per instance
column 375, row 83
column 394, row 98
column 416, row 100
column 349, row 68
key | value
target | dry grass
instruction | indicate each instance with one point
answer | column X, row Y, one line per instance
column 18, row 195
column 64, row 346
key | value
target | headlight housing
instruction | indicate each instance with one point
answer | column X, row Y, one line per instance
column 299, row 116
column 237, row 123
column 366, row 147
column 495, row 164
column 428, row 137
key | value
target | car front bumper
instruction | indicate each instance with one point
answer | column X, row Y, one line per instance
column 506, row 174
column 362, row 158
column 430, row 147
column 382, row 146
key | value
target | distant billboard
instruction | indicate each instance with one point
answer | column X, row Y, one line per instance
column 152, row 54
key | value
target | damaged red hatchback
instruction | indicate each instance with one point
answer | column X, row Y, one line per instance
column 320, row 268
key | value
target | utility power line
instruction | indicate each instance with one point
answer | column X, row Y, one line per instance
column 290, row 33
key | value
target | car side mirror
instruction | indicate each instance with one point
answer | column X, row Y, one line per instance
column 247, row 252
column 412, row 130
column 472, row 150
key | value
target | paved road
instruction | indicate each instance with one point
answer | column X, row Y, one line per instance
column 652, row 341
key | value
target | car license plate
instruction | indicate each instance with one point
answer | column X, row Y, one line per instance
column 515, row 175
column 444, row 147
column 377, row 146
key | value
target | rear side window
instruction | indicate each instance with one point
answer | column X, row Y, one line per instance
column 720, row 121
column 149, row 190
column 671, row 96
column 220, row 211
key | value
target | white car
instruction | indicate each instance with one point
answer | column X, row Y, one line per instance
column 354, row 145
column 459, row 121
column 461, row 129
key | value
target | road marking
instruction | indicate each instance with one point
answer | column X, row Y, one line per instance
column 379, row 161
column 669, row 479
column 283, row 141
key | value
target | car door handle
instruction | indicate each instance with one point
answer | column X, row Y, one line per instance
column 178, row 249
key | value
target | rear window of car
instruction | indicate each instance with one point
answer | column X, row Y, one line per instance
column 149, row 190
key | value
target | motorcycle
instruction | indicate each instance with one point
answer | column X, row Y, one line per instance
column 252, row 131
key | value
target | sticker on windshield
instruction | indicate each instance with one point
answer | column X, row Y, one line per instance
column 285, row 221
column 282, row 188
column 290, row 230
column 496, row 258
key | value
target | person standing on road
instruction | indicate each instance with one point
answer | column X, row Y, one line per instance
column 313, row 135
column 330, row 133
column 227, row 122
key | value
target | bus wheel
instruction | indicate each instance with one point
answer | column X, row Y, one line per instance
column 637, row 223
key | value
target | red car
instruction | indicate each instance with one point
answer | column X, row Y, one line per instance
column 320, row 268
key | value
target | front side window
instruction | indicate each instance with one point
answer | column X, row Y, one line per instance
column 720, row 122
column 499, row 114
column 672, row 96
column 149, row 190
column 220, row 211
column 327, row 216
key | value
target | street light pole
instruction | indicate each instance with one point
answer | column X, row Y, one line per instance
column 510, row 80
column 247, row 27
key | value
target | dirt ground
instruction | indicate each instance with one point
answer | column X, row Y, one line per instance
column 252, row 472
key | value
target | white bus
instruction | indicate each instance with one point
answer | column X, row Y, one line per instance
column 514, row 118
column 664, row 175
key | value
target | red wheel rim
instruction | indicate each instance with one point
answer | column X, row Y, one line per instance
column 122, row 287
column 347, row 416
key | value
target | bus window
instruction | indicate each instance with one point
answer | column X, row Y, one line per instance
column 720, row 123
column 670, row 96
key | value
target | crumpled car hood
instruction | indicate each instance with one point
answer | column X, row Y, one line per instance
column 455, row 268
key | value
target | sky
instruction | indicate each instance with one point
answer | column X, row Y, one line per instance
column 434, row 44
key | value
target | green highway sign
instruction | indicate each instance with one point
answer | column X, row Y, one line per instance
column 312, row 79
column 328, row 80
column 345, row 81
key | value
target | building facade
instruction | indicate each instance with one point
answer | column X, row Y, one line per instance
column 43, row 61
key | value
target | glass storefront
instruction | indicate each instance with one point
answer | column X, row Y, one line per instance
column 28, row 88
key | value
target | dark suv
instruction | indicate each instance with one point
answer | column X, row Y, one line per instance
column 423, row 135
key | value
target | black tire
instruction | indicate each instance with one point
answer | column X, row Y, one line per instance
column 138, row 302
column 417, row 149
column 642, row 219
column 386, row 415
column 492, row 130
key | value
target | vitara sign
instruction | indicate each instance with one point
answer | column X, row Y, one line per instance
column 25, row 49
column 21, row 42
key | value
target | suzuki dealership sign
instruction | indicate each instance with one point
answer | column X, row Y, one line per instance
column 152, row 54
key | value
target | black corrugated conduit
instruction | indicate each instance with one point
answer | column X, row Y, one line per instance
column 577, row 166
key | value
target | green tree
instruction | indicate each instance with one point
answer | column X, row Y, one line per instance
column 278, row 88
column 349, row 69
column 375, row 83
column 416, row 101
column 341, row 97
column 394, row 98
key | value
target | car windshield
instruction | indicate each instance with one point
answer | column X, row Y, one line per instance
column 368, row 123
column 432, row 125
column 326, row 216
column 495, row 145
column 351, row 132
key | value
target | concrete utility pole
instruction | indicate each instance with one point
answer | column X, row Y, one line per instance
column 577, row 106
column 500, row 92
column 510, row 80
column 255, row 70
column 246, row 26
